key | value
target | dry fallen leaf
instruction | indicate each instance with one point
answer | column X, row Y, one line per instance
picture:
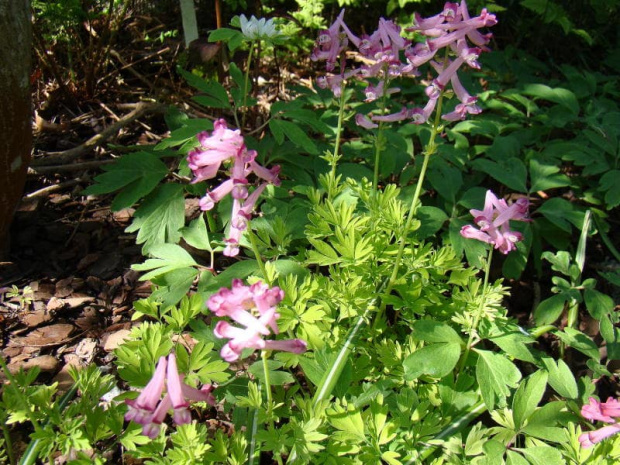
column 47, row 336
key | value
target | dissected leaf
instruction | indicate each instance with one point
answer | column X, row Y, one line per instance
column 136, row 173
column 160, row 217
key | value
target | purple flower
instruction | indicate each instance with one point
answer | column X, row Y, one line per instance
column 150, row 410
column 226, row 145
column 608, row 412
column 331, row 43
column 452, row 28
column 494, row 225
column 142, row 408
column 591, row 438
column 254, row 309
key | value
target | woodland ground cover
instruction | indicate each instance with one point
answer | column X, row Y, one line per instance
column 404, row 253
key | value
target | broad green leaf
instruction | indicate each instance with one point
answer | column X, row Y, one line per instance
column 294, row 133
column 213, row 89
column 549, row 310
column 610, row 185
column 160, row 217
column 508, row 171
column 513, row 458
column 224, row 34
column 276, row 376
column 174, row 285
column 562, row 213
column 308, row 117
column 541, row 455
column 546, row 176
column 168, row 257
column 435, row 360
column 431, row 219
column 196, row 234
column 434, row 331
column 528, row 396
column 349, row 423
column 516, row 345
column 496, row 375
column 597, row 303
column 561, row 378
column 579, row 341
column 446, row 179
column 186, row 133
column 563, row 97
column 239, row 270
column 136, row 173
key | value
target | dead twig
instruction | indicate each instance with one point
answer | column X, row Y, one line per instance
column 61, row 158
column 87, row 165
column 56, row 187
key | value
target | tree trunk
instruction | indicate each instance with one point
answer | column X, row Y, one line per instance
column 15, row 108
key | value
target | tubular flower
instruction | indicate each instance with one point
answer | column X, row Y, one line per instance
column 608, row 412
column 254, row 308
column 452, row 28
column 494, row 225
column 150, row 410
column 227, row 145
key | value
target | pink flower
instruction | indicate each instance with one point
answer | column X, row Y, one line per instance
column 142, row 408
column 601, row 411
column 608, row 412
column 591, row 438
column 254, row 308
column 452, row 28
column 150, row 410
column 493, row 222
column 226, row 145
column 331, row 43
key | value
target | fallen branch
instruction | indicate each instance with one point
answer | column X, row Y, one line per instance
column 87, row 165
column 56, row 187
column 61, row 158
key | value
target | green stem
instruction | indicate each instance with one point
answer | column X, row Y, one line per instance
column 254, row 450
column 259, row 259
column 336, row 155
column 430, row 149
column 537, row 332
column 478, row 316
column 8, row 444
column 245, row 84
column 378, row 150
column 573, row 313
column 264, row 355
column 379, row 140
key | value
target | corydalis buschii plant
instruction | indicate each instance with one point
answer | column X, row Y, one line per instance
column 150, row 410
column 451, row 30
column 253, row 307
column 608, row 412
column 493, row 222
column 227, row 145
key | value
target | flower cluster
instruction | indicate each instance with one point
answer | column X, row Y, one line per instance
column 150, row 410
column 227, row 145
column 494, row 225
column 451, row 28
column 608, row 412
column 381, row 53
column 254, row 308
